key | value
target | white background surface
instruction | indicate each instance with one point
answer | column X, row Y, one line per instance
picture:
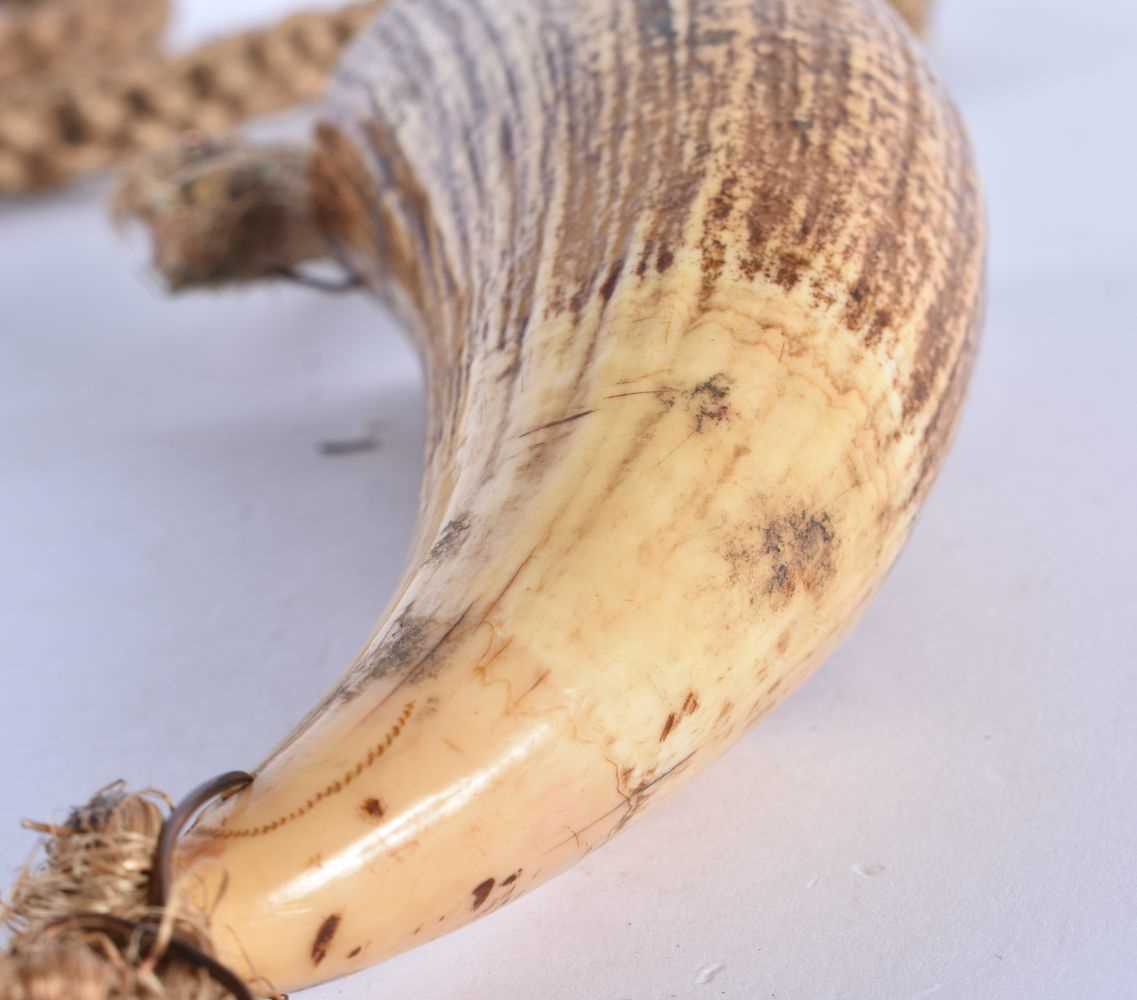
column 948, row 809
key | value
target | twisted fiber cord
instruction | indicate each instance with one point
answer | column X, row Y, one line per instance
column 81, row 87
column 54, row 129
column 64, row 37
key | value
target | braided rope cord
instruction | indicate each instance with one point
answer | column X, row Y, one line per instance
column 82, row 86
column 66, row 37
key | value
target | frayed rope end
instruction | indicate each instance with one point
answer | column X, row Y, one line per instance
column 80, row 917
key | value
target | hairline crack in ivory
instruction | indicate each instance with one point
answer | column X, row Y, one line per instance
column 697, row 285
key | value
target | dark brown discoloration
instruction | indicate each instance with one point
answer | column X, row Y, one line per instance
column 690, row 703
column 354, row 953
column 710, row 401
column 802, row 547
column 324, row 937
column 810, row 138
column 790, row 145
column 481, row 892
column 609, row 287
column 73, row 129
column 778, row 557
column 373, row 808
column 668, row 725
column 795, row 155
column 713, row 245
column 508, row 881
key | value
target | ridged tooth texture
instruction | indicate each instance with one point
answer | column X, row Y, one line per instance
column 697, row 286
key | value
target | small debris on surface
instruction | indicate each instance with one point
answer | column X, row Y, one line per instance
column 708, row 973
column 349, row 446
